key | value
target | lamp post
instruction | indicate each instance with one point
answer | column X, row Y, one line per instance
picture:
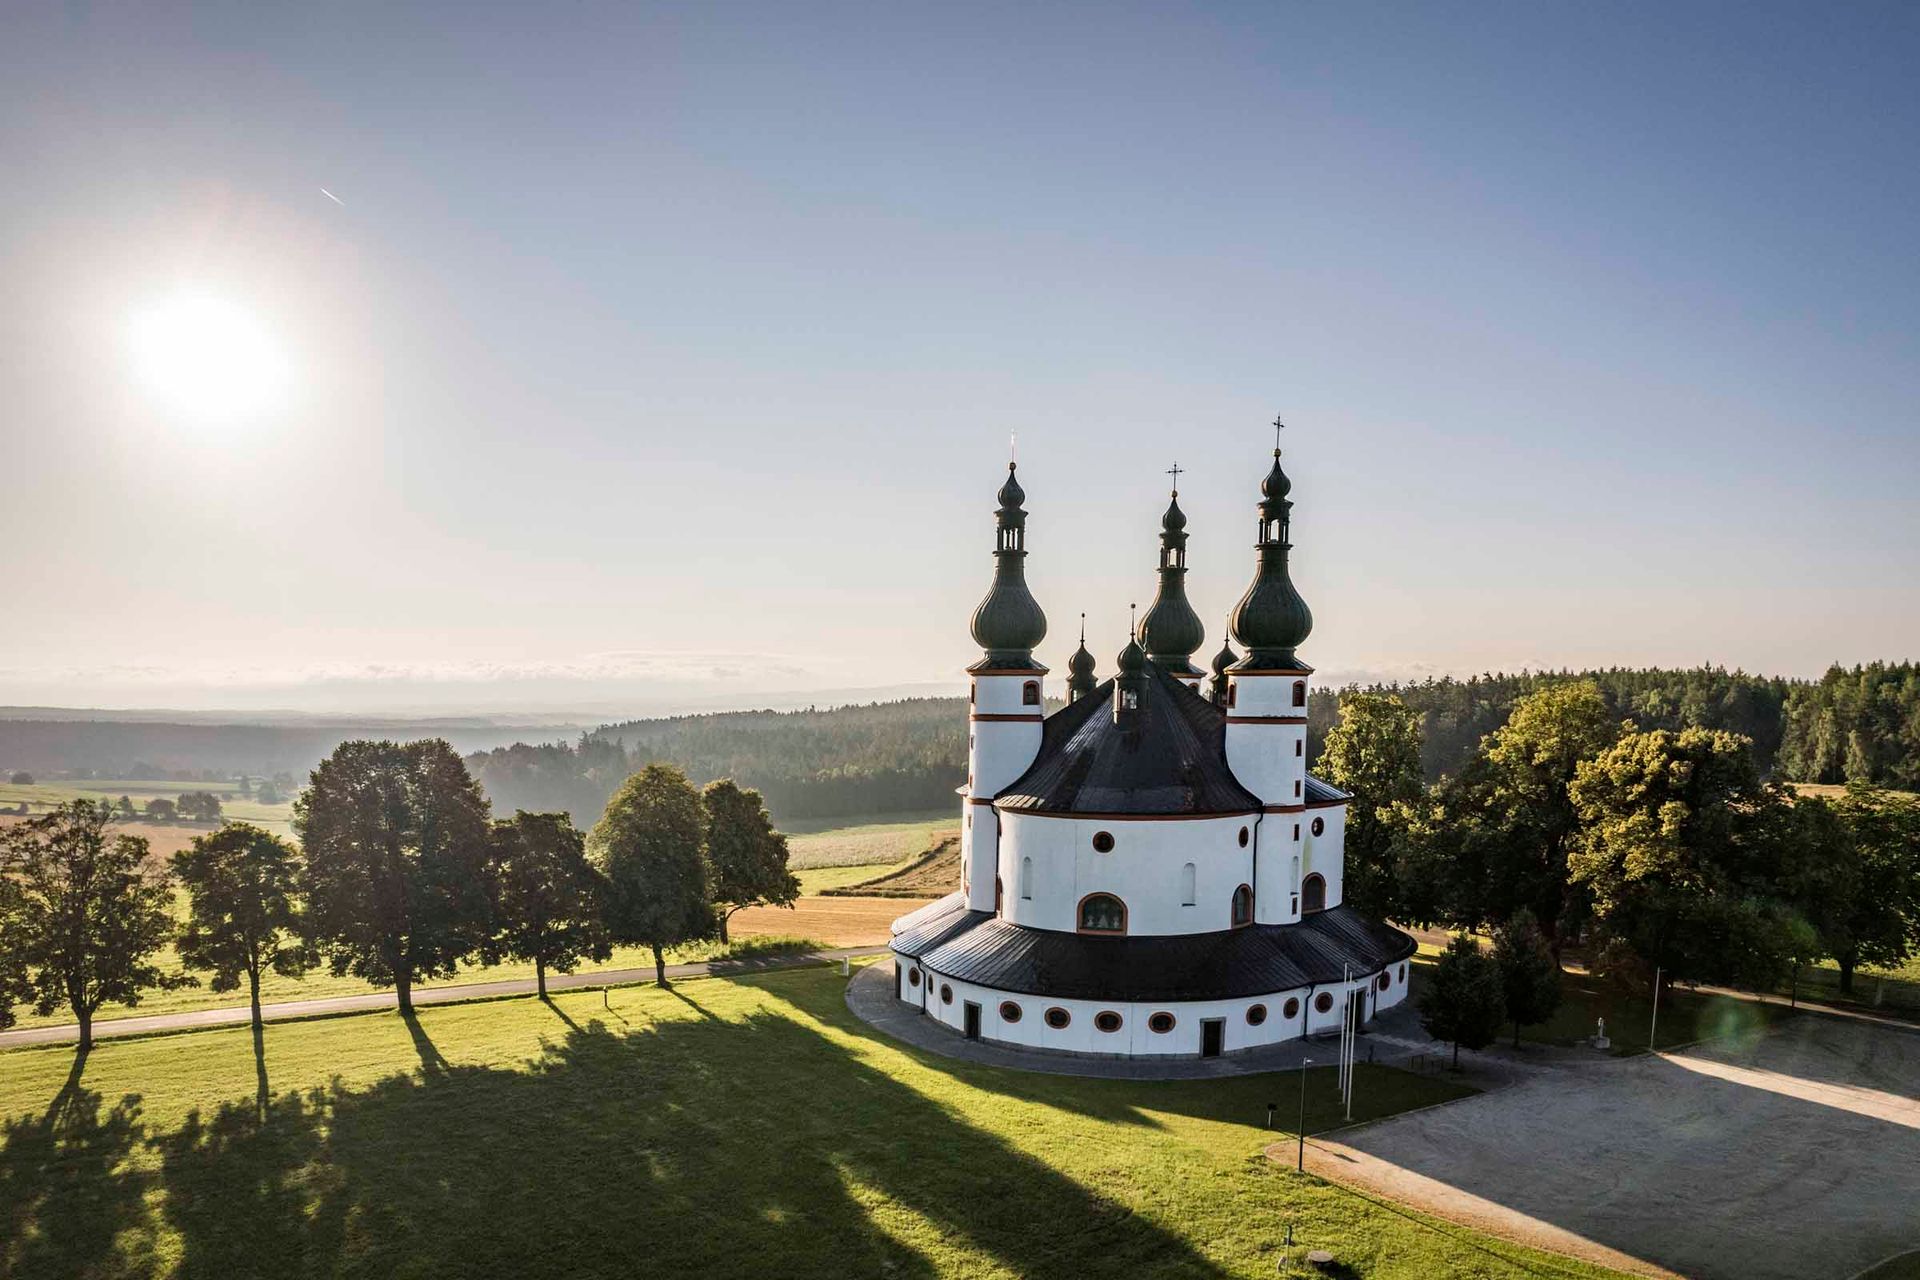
column 1653, row 1030
column 1300, row 1155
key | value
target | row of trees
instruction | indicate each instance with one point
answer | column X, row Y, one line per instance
column 401, row 874
column 1858, row 725
column 1652, row 848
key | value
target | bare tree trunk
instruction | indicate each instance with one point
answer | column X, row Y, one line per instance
column 724, row 917
column 540, row 975
column 403, row 988
column 1846, row 964
column 85, row 1017
column 659, row 966
column 253, row 993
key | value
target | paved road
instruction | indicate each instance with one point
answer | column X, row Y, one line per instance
column 231, row 1015
column 1790, row 1152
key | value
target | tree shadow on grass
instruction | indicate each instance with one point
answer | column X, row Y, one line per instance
column 689, row 1147
column 65, row 1194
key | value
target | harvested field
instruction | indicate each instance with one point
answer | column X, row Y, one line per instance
column 933, row 875
column 836, row 921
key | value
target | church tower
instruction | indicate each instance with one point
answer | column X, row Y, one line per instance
column 1006, row 702
column 1267, row 703
column 1171, row 631
column 1080, row 677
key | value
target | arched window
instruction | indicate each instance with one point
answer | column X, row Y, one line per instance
column 1242, row 906
column 1299, row 693
column 1026, row 878
column 971, row 691
column 1102, row 913
column 1233, row 693
column 1313, row 893
column 1030, row 694
column 1009, row 1011
column 999, row 895
column 1299, row 746
column 1186, row 885
column 1319, row 827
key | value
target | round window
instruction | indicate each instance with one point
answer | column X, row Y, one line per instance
column 1322, row 1002
column 946, row 994
column 1058, row 1018
column 1403, row 973
column 913, row 977
column 1009, row 1011
column 1291, row 1009
column 1256, row 1014
column 1160, row 1023
column 1103, row 842
column 1243, row 837
column 1106, row 1020
column 1319, row 826
column 1384, row 981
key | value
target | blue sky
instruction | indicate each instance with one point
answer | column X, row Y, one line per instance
column 668, row 355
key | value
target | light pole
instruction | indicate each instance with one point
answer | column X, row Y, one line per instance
column 1300, row 1156
column 1653, row 1031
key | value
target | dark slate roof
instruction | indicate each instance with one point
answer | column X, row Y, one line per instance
column 1319, row 792
column 936, row 923
column 1171, row 758
column 1232, row 964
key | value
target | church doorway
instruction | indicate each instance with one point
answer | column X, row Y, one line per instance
column 1213, row 1034
column 973, row 1021
column 1357, row 1008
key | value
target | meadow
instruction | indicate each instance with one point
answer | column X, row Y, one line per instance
column 722, row 1127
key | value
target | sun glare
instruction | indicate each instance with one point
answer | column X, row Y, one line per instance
column 206, row 359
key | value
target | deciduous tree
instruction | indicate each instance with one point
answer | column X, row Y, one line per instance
column 1860, row 882
column 396, row 840
column 1462, row 1001
column 650, row 847
column 547, row 896
column 1373, row 753
column 242, row 921
column 85, row 914
column 1529, row 973
column 746, row 857
column 160, row 809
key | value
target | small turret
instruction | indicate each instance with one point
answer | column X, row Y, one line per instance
column 1080, row 681
column 1172, row 631
column 1217, row 687
column 1008, row 624
column 1130, row 679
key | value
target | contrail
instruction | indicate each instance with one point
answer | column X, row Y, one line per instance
column 336, row 199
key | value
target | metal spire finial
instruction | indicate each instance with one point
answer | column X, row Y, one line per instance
column 1133, row 629
column 1013, row 449
column 1083, row 628
column 1278, row 427
column 1174, row 471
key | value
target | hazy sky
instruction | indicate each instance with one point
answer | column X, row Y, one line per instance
column 653, row 354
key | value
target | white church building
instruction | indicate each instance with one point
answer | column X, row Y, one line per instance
column 1150, row 870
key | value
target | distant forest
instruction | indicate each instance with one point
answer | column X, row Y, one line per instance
column 908, row 757
column 900, row 757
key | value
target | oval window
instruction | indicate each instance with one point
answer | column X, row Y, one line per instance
column 1106, row 1020
column 1403, row 973
column 1058, row 1018
column 1103, row 842
column 1243, row 837
column 1256, row 1014
column 1384, row 981
column 1319, row 826
column 1322, row 1002
column 1009, row 1011
column 946, row 994
column 913, row 977
column 1160, row 1023
column 1291, row 1009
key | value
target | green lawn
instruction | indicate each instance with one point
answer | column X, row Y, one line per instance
column 1684, row 1016
column 1904, row 1267
column 881, row 842
column 725, row 1127
column 814, row 879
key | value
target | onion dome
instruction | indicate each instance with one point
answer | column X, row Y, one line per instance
column 1130, row 682
column 1080, row 681
column 1008, row 624
column 1271, row 619
column 1217, row 688
column 1171, row 631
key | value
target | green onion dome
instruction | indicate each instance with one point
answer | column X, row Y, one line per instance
column 1132, row 662
column 1272, row 620
column 1217, row 689
column 1008, row 624
column 1172, row 631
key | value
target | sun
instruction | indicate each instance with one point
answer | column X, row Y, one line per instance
column 206, row 359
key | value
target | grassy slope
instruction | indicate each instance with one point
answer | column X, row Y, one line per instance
column 882, row 842
column 722, row 1128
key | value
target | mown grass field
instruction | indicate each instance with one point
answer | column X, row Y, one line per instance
column 875, row 844
column 722, row 1128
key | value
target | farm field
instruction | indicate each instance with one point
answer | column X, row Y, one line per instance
column 873, row 844
column 42, row 796
column 724, row 1127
